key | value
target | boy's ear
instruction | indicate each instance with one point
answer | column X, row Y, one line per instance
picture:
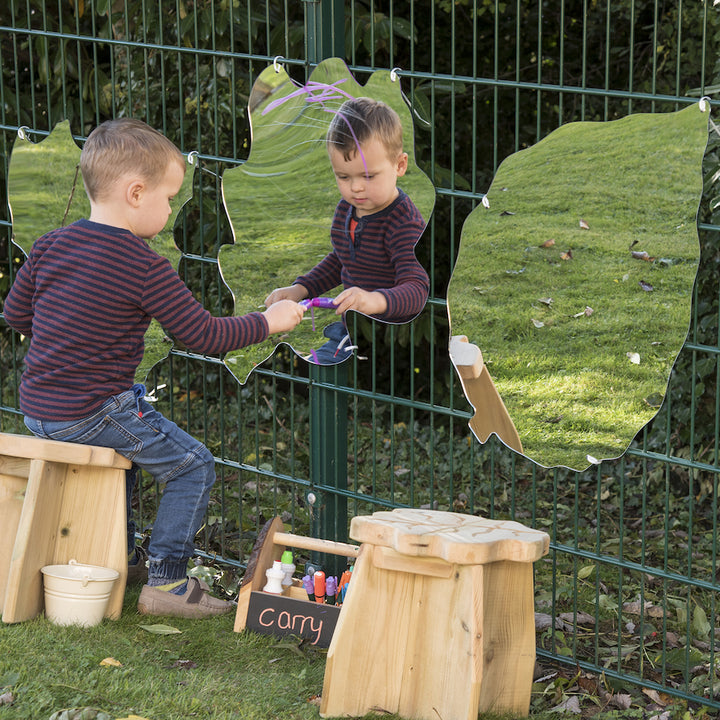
column 402, row 164
column 134, row 192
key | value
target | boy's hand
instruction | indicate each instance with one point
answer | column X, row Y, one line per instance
column 364, row 301
column 283, row 315
column 296, row 293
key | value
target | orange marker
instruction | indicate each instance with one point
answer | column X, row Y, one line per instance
column 319, row 581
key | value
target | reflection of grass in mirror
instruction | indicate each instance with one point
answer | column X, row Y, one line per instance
column 40, row 184
column 523, row 279
column 281, row 201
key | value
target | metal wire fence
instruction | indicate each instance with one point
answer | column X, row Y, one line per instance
column 629, row 588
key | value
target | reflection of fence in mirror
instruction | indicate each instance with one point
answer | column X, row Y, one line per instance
column 576, row 282
column 281, row 201
column 45, row 192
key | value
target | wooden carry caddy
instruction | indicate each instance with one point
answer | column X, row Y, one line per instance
column 292, row 613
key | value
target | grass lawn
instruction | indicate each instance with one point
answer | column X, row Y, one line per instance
column 174, row 669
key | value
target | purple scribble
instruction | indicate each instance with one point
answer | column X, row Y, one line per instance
column 314, row 92
column 317, row 92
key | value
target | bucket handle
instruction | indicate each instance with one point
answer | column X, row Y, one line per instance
column 85, row 577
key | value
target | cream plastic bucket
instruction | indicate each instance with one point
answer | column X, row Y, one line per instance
column 77, row 594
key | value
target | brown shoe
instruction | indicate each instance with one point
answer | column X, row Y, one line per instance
column 137, row 571
column 195, row 602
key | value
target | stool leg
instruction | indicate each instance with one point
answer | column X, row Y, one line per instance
column 509, row 643
column 408, row 644
column 13, row 482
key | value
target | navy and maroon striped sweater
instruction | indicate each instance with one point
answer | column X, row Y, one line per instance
column 85, row 296
column 382, row 258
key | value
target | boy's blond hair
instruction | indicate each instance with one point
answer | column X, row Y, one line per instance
column 121, row 147
column 361, row 119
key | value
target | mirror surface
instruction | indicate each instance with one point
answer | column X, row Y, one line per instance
column 575, row 281
column 45, row 192
column 281, row 201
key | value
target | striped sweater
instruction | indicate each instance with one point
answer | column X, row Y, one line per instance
column 85, row 296
column 381, row 258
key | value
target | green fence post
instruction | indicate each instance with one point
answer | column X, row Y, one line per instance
column 324, row 23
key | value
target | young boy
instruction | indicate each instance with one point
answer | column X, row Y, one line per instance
column 374, row 230
column 85, row 297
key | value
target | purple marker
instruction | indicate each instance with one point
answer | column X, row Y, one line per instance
column 330, row 589
column 318, row 302
column 309, row 586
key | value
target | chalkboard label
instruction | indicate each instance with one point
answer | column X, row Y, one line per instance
column 278, row 615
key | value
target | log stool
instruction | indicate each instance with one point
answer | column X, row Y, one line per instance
column 438, row 621
column 58, row 501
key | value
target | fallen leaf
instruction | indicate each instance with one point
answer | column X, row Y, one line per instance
column 548, row 243
column 546, row 301
column 656, row 697
column 161, row 629
column 580, row 618
column 584, row 225
column 647, row 287
column 634, row 357
column 572, row 705
column 641, row 255
column 7, row 698
column 110, row 662
column 506, row 212
column 566, row 255
column 184, row 664
column 589, row 684
column 86, row 713
column 538, row 323
column 622, row 701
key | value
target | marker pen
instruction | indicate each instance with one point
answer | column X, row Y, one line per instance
column 330, row 589
column 319, row 581
column 309, row 586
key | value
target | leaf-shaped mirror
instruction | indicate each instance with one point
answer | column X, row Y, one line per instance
column 45, row 191
column 282, row 200
column 570, row 299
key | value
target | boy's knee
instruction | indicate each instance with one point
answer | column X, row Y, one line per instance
column 205, row 464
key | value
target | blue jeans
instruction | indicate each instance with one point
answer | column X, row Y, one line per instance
column 338, row 347
column 130, row 425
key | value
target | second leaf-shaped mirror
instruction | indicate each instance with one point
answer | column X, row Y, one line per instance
column 574, row 284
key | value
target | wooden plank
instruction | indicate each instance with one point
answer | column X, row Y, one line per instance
column 12, row 494
column 28, row 446
column 261, row 558
column 330, row 547
column 509, row 638
column 364, row 666
column 34, row 541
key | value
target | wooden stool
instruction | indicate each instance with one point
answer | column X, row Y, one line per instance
column 438, row 621
column 58, row 501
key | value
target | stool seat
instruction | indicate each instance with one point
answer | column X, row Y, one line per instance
column 456, row 538
column 438, row 621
